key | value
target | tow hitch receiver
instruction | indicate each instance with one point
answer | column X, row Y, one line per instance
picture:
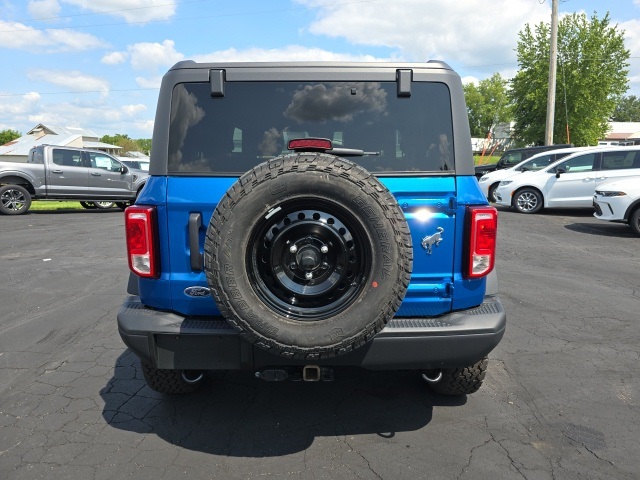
column 308, row 373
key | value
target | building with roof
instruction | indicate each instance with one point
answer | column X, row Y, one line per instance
column 17, row 150
column 626, row 132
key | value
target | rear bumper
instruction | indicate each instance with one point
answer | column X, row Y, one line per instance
column 171, row 341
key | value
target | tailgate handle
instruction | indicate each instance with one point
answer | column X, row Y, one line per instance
column 195, row 257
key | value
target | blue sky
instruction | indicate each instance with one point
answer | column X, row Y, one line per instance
column 97, row 64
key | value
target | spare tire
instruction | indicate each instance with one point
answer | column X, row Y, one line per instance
column 308, row 256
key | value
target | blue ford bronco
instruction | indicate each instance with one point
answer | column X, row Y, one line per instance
column 300, row 217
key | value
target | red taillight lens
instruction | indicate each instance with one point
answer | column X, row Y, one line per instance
column 481, row 231
column 140, row 227
column 314, row 144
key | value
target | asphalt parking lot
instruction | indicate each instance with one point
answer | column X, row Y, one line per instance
column 561, row 399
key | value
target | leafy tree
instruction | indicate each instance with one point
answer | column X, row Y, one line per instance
column 8, row 135
column 127, row 144
column 145, row 145
column 592, row 76
column 487, row 104
column 627, row 110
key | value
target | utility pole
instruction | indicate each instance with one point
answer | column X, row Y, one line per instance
column 553, row 63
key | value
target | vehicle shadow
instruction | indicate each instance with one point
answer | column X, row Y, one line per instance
column 235, row 414
column 603, row 229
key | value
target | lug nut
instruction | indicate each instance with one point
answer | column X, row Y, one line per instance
column 324, row 249
column 293, row 249
column 308, row 275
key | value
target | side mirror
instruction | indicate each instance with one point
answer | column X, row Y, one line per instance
column 124, row 170
column 560, row 171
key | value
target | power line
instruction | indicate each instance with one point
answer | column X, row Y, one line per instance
column 200, row 17
column 102, row 12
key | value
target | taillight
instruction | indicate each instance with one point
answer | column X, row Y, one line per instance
column 481, row 234
column 140, row 227
column 310, row 144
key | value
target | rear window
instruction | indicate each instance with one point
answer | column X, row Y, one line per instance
column 254, row 122
column 618, row 160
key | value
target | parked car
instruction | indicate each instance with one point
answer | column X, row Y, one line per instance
column 66, row 173
column 137, row 164
column 619, row 201
column 569, row 182
column 490, row 181
column 336, row 225
column 514, row 156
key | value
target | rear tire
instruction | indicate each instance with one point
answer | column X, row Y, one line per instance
column 308, row 256
column 104, row 205
column 528, row 200
column 14, row 200
column 492, row 193
column 461, row 381
column 169, row 381
column 634, row 221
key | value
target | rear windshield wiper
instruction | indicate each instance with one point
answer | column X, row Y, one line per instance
column 351, row 152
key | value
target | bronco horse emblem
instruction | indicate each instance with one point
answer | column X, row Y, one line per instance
column 430, row 241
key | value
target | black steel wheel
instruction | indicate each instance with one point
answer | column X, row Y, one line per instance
column 308, row 256
column 308, row 261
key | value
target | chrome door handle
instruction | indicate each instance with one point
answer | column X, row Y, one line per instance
column 56, row 171
column 96, row 174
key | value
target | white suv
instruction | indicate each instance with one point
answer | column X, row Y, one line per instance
column 490, row 180
column 619, row 201
column 570, row 182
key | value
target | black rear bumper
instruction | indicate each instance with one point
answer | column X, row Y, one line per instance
column 171, row 341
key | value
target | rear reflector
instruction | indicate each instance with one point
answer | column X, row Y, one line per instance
column 310, row 144
column 481, row 234
column 140, row 228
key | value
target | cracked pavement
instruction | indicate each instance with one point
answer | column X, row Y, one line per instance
column 560, row 401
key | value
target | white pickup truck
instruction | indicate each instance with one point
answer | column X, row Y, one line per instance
column 66, row 173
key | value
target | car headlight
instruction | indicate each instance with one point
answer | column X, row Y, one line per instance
column 610, row 194
column 483, row 178
column 504, row 183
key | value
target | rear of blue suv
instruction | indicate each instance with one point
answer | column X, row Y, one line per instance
column 305, row 216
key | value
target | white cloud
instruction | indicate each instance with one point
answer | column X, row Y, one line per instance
column 148, row 56
column 133, row 11
column 41, row 9
column 115, row 58
column 101, row 118
column 10, row 105
column 470, row 79
column 152, row 82
column 290, row 53
column 132, row 110
column 71, row 80
column 18, row 36
column 422, row 29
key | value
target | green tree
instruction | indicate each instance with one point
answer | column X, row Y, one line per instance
column 627, row 110
column 487, row 104
column 144, row 144
column 8, row 135
column 122, row 140
column 592, row 77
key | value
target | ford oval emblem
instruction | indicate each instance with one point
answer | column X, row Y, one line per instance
column 197, row 291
